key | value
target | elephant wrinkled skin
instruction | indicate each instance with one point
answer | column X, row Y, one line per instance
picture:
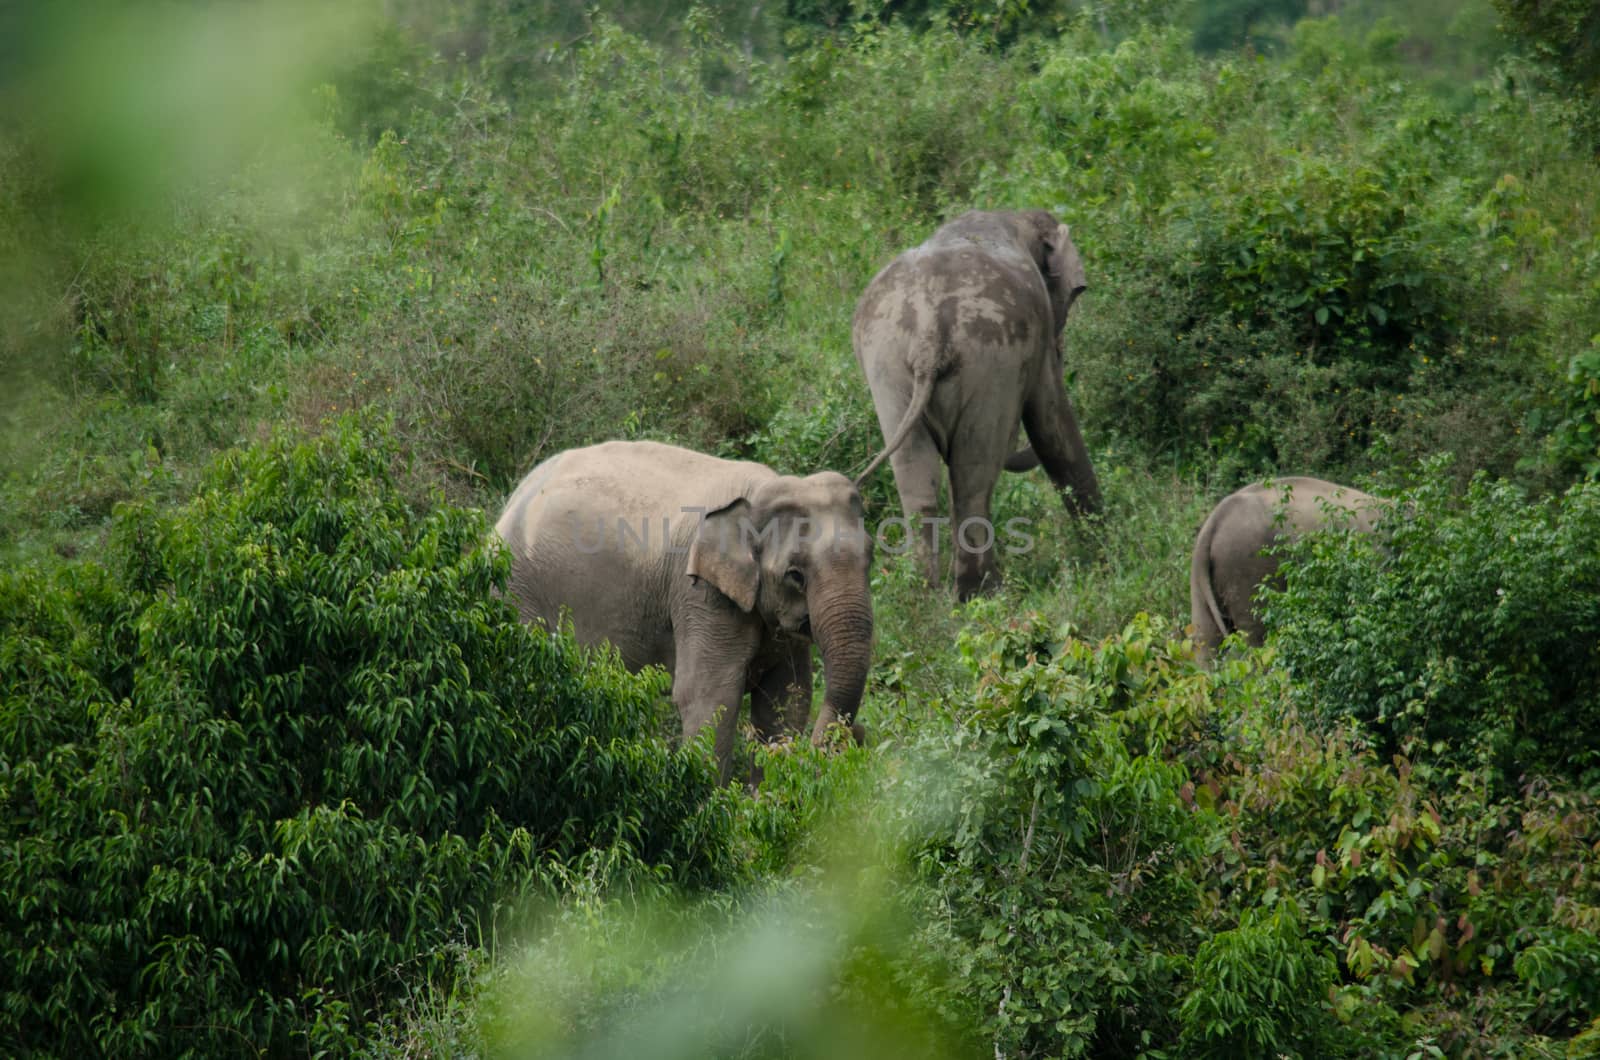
column 1234, row 554
column 723, row 572
column 960, row 340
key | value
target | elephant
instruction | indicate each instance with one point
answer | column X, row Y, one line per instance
column 960, row 341
column 1235, row 553
column 721, row 571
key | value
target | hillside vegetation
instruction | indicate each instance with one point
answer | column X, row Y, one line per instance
column 291, row 300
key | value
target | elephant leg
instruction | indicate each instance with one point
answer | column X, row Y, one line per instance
column 708, row 685
column 972, row 485
column 1055, row 438
column 916, row 467
column 780, row 698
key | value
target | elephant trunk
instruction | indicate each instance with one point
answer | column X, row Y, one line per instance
column 1079, row 473
column 841, row 623
column 1086, row 499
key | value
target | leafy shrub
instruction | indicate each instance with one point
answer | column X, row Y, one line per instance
column 1573, row 445
column 912, row 119
column 1249, row 988
column 1103, row 849
column 798, row 964
column 1117, row 850
column 287, row 743
column 799, row 968
column 1330, row 243
column 828, row 424
column 1055, row 861
column 1470, row 631
column 501, row 374
column 1259, row 24
column 1431, row 885
column 1120, row 128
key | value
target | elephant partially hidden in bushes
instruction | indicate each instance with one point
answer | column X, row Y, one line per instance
column 960, row 340
column 1235, row 553
column 723, row 572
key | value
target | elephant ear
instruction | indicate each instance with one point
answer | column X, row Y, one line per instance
column 1064, row 272
column 723, row 553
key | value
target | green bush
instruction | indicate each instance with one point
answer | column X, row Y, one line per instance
column 518, row 239
column 287, row 742
column 1467, row 630
column 1250, row 989
column 1573, row 444
column 1330, row 244
column 829, row 424
column 1116, row 850
column 1426, row 883
column 1113, row 130
column 1055, row 861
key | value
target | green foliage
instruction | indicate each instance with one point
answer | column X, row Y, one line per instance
column 1250, row 987
column 1118, row 128
column 1468, row 630
column 1053, row 878
column 520, row 228
column 1574, row 443
column 1118, row 851
column 1096, row 849
column 1563, row 33
column 795, row 970
column 1425, row 885
column 1331, row 246
column 998, row 21
column 807, row 803
column 829, row 428
column 288, row 740
column 802, row 963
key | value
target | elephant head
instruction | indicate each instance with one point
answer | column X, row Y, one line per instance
column 797, row 553
column 1037, row 234
column 1057, row 259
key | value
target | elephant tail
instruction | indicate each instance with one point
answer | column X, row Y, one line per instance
column 921, row 394
column 1203, row 602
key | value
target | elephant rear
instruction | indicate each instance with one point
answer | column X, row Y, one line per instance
column 1234, row 553
column 959, row 339
column 583, row 541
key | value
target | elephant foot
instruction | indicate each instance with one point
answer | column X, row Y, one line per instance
column 970, row 585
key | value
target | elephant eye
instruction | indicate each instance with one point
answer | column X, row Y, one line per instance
column 795, row 577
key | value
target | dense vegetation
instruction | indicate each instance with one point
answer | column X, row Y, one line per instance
column 281, row 322
column 288, row 741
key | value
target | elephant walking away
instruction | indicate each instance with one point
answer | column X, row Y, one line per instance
column 960, row 340
column 1234, row 553
column 723, row 572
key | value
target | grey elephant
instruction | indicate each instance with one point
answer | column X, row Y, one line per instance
column 960, row 340
column 1235, row 553
column 723, row 572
